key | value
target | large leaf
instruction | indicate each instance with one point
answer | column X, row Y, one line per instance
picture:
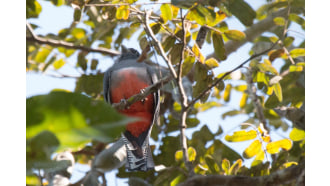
column 166, row 12
column 274, row 147
column 75, row 119
column 241, row 10
column 235, row 35
column 241, row 136
column 253, row 149
column 219, row 46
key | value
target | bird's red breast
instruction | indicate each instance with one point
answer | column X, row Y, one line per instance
column 129, row 82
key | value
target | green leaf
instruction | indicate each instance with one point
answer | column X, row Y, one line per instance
column 297, row 134
column 90, row 84
column 299, row 20
column 297, row 52
column 211, row 164
column 94, row 64
column 177, row 180
column 196, row 15
column 241, row 135
column 58, row 63
column 235, row 35
column 33, row 9
column 253, row 149
column 274, row 147
column 205, row 106
column 82, row 61
column 175, row 53
column 279, row 21
column 75, row 119
column 211, row 63
column 166, row 12
column 219, row 46
column 242, row 10
column 278, row 91
column 77, row 14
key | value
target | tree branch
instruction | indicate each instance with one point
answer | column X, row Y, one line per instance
column 59, row 43
column 277, row 178
column 229, row 72
column 252, row 93
column 184, row 103
column 138, row 97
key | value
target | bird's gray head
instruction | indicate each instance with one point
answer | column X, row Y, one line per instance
column 128, row 53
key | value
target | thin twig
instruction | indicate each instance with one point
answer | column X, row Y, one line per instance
column 252, row 93
column 137, row 97
column 157, row 44
column 229, row 72
column 59, row 43
column 122, row 4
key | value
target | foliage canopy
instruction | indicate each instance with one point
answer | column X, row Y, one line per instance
column 270, row 85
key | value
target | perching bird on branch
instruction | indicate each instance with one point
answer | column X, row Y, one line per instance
column 124, row 79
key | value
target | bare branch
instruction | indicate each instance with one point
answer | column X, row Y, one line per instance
column 156, row 43
column 128, row 4
column 252, row 94
column 59, row 43
column 288, row 175
column 184, row 103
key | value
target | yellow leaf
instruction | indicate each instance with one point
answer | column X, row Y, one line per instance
column 226, row 94
column 225, row 165
column 260, row 156
column 241, row 136
column 279, row 21
column 253, row 149
column 191, row 154
column 58, row 64
column 211, row 63
column 297, row 134
column 289, row 164
column 266, row 139
column 235, row 167
column 297, row 52
column 278, row 91
column 122, row 12
column 274, row 147
column 244, row 98
column 178, row 155
column 235, row 35
column 198, row 53
column 166, row 12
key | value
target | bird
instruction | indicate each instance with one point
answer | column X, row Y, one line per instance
column 122, row 80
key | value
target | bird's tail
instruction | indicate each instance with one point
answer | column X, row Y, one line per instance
column 139, row 158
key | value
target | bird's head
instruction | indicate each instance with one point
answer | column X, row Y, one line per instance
column 128, row 53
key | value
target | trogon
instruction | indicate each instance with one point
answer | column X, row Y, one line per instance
column 124, row 79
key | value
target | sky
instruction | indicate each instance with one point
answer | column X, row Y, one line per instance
column 51, row 21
